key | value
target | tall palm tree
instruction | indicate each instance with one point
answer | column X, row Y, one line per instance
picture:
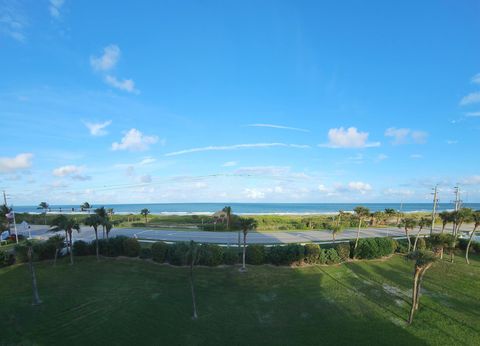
column 36, row 296
column 102, row 213
column 446, row 217
column 361, row 213
column 339, row 218
column 476, row 223
column 390, row 212
column 94, row 221
column 459, row 217
column 246, row 224
column 145, row 213
column 423, row 222
column 408, row 224
column 423, row 261
column 58, row 241
column 228, row 211
column 336, row 230
column 108, row 226
column 192, row 258
column 44, row 206
column 63, row 223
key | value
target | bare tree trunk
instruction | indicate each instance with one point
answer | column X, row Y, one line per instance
column 55, row 258
column 443, row 228
column 96, row 243
column 414, row 294
column 358, row 236
column 244, row 250
column 408, row 238
column 195, row 315
column 420, row 280
column 36, row 296
column 469, row 243
column 239, row 239
column 71, row 248
column 416, row 239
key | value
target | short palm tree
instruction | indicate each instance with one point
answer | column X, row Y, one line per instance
column 336, row 230
column 108, row 226
column 408, row 224
column 361, row 213
column 246, row 224
column 86, row 206
column 446, row 217
column 102, row 213
column 476, row 224
column 423, row 222
column 228, row 211
column 58, row 242
column 44, row 206
column 36, row 296
column 94, row 221
column 192, row 259
column 145, row 213
column 423, row 261
column 63, row 223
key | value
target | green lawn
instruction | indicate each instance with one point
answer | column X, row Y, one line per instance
column 124, row 302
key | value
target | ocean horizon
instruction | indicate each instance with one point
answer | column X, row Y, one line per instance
column 247, row 208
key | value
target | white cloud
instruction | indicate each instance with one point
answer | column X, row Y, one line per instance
column 470, row 98
column 146, row 178
column 472, row 180
column 147, row 161
column 263, row 170
column 13, row 21
column 66, row 170
column 55, row 6
column 476, row 78
column 11, row 164
column 108, row 60
column 254, row 193
column 279, row 127
column 450, row 142
column 134, row 140
column 405, row 135
column 359, row 186
column 382, row 157
column 349, row 138
column 473, row 114
column 230, row 164
column 98, row 129
column 235, row 146
column 125, row 84
column 416, row 156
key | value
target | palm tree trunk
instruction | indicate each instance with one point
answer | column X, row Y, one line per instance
column 443, row 228
column 358, row 236
column 419, row 284
column 416, row 239
column 96, row 243
column 239, row 239
column 408, row 238
column 414, row 294
column 244, row 250
column 469, row 243
column 36, row 296
column 71, row 248
column 55, row 257
column 195, row 315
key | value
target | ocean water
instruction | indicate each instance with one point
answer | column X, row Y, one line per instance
column 250, row 208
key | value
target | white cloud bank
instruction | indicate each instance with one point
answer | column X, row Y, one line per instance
column 281, row 127
column 55, row 7
column 72, row 171
column 470, row 98
column 134, row 140
column 236, row 146
column 97, row 129
column 348, row 138
column 405, row 135
column 125, row 84
column 19, row 162
column 107, row 60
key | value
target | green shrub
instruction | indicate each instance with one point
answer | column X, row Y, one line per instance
column 21, row 253
column 145, row 253
column 255, row 254
column 367, row 249
column 177, row 253
column 44, row 250
column 210, row 255
column 294, row 253
column 312, row 253
column 386, row 246
column 275, row 255
column 422, row 244
column 322, row 256
column 81, row 248
column 475, row 246
column 159, row 251
column 3, row 258
column 332, row 256
column 115, row 246
column 230, row 257
column 401, row 246
column 131, row 247
column 343, row 251
column 103, row 247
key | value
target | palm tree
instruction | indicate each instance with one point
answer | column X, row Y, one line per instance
column 102, row 213
column 421, row 224
column 446, row 217
column 246, row 224
column 145, row 213
column 110, row 212
column 44, row 206
column 390, row 212
column 86, row 206
column 361, row 212
column 58, row 241
column 408, row 224
column 228, row 211
column 339, row 218
column 4, row 210
column 94, row 221
column 63, row 223
column 459, row 217
column 336, row 229
column 108, row 226
column 36, row 296
column 423, row 261
column 476, row 223
column 192, row 258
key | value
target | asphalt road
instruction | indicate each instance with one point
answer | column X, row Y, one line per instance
column 87, row 234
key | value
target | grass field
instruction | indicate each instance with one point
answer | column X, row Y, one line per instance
column 123, row 302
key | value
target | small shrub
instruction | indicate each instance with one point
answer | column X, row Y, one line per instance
column 131, row 247
column 103, row 247
column 115, row 246
column 255, row 254
column 322, row 257
column 44, row 250
column 312, row 253
column 210, row 255
column 401, row 246
column 386, row 246
column 81, row 248
column 294, row 253
column 145, row 253
column 332, row 256
column 422, row 244
column 159, row 251
column 21, row 253
column 177, row 253
column 367, row 249
column 230, row 257
column 343, row 251
column 275, row 255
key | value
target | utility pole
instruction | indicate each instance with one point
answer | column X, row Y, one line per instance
column 458, row 204
column 434, row 210
column 4, row 198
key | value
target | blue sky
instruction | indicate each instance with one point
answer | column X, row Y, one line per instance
column 239, row 101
